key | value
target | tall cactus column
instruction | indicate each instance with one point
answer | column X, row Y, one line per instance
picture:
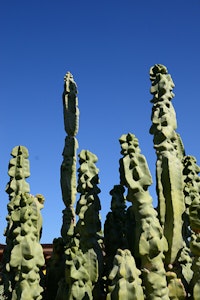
column 84, row 260
column 23, row 255
column 123, row 277
column 192, row 192
column 169, row 167
column 150, row 243
column 88, row 206
column 68, row 167
column 18, row 171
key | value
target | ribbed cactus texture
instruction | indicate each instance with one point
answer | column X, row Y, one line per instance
column 144, row 252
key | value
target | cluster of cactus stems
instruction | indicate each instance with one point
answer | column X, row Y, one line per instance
column 142, row 252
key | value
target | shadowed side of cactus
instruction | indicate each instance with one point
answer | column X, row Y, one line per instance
column 123, row 277
column 23, row 253
column 150, row 243
column 115, row 231
column 169, row 168
column 55, row 269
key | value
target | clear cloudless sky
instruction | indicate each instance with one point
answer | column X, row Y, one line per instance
column 109, row 47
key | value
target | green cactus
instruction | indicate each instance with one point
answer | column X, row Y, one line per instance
column 150, row 243
column 192, row 199
column 23, row 257
column 81, row 270
column 145, row 252
column 169, row 168
column 68, row 167
column 83, row 258
column 88, row 227
column 125, row 282
column 88, row 206
column 68, row 187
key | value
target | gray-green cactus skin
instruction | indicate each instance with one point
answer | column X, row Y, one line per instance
column 83, row 256
column 88, row 227
column 82, row 251
column 125, row 282
column 88, row 206
column 23, row 257
column 145, row 253
column 68, row 167
column 79, row 268
column 60, row 287
column 192, row 197
column 123, row 277
column 150, row 243
column 169, row 168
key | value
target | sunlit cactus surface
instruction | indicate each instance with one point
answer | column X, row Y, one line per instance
column 142, row 251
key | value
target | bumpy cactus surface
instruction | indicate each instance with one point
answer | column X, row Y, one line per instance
column 169, row 168
column 144, row 252
column 23, row 257
column 124, row 278
column 150, row 243
column 68, row 167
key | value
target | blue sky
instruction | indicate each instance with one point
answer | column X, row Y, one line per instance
column 109, row 47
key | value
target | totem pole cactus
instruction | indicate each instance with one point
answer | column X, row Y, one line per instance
column 82, row 251
column 61, row 287
column 192, row 195
column 169, row 167
column 88, row 206
column 23, row 257
column 124, row 277
column 173, row 193
column 149, row 253
column 145, row 253
column 150, row 242
column 68, row 167
column 88, row 227
column 84, row 258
